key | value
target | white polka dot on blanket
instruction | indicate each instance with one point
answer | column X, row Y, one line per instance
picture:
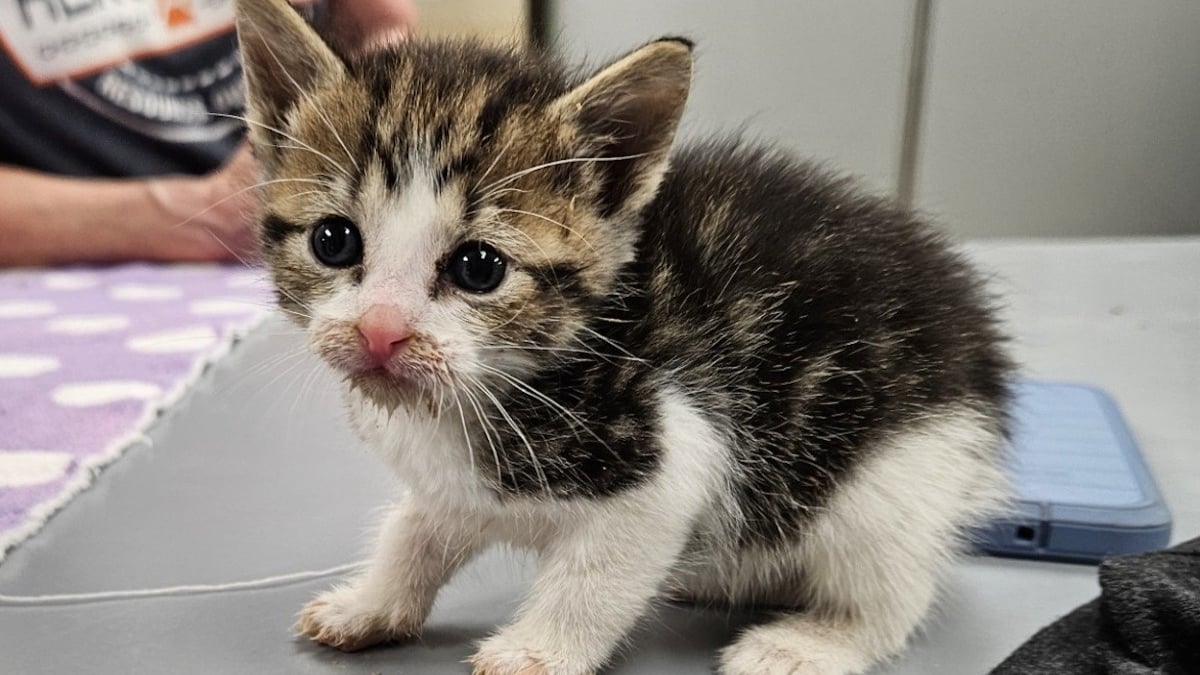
column 87, row 394
column 69, row 281
column 87, row 324
column 19, row 468
column 23, row 309
column 26, row 365
column 174, row 341
column 222, row 307
column 145, row 292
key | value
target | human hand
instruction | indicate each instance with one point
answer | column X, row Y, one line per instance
column 366, row 25
column 212, row 218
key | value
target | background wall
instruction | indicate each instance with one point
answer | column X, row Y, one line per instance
column 827, row 76
column 1035, row 117
column 491, row 19
column 1063, row 117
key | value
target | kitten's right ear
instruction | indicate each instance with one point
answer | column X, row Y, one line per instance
column 283, row 60
column 631, row 110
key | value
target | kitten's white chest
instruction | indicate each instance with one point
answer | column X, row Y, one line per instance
column 430, row 455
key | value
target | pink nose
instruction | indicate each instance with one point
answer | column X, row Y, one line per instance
column 385, row 330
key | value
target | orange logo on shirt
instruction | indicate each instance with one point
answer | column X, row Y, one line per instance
column 176, row 13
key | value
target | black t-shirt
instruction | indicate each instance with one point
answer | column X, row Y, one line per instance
column 119, row 89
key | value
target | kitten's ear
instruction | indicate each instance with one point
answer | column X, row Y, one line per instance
column 631, row 109
column 283, row 59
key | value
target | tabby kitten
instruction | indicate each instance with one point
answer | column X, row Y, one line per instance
column 713, row 374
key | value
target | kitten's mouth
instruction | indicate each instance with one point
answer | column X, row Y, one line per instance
column 399, row 377
column 394, row 382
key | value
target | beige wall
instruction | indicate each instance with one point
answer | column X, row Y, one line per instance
column 1063, row 117
column 1039, row 117
column 491, row 19
column 826, row 77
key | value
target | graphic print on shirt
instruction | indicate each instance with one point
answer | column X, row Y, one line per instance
column 159, row 67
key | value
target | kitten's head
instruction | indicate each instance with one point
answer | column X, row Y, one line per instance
column 438, row 213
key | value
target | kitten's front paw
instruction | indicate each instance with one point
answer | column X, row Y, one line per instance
column 501, row 655
column 780, row 649
column 343, row 619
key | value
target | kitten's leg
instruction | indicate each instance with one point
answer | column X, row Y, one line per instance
column 594, row 582
column 838, row 635
column 415, row 553
column 606, row 560
column 871, row 563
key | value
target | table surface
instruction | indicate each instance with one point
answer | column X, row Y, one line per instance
column 255, row 474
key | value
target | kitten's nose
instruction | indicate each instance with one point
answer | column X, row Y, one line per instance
column 385, row 331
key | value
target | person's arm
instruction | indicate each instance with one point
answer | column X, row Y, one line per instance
column 47, row 219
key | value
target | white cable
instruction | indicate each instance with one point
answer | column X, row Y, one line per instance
column 169, row 591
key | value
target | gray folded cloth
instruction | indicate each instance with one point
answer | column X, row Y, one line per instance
column 1146, row 620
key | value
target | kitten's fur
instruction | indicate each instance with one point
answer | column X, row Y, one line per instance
column 717, row 374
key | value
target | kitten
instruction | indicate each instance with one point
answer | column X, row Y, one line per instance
column 714, row 374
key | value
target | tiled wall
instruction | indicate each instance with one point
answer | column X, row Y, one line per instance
column 1036, row 117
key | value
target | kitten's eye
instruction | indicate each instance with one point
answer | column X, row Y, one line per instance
column 476, row 267
column 337, row 243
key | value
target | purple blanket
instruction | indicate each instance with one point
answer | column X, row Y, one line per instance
column 87, row 359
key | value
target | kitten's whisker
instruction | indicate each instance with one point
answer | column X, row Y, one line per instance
column 301, row 391
column 305, row 193
column 281, row 132
column 295, row 362
column 537, row 467
column 567, row 415
column 488, row 427
column 564, row 350
column 273, row 361
column 287, row 294
column 238, row 193
column 515, row 314
column 287, row 146
column 531, row 240
column 293, row 312
column 496, row 193
column 555, row 222
column 466, row 434
column 487, row 432
column 275, row 379
column 614, row 345
column 613, row 320
column 336, row 136
column 493, row 164
column 571, row 160
column 235, row 254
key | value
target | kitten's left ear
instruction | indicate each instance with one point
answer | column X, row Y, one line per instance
column 631, row 110
column 283, row 59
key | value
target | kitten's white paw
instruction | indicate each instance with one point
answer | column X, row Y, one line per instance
column 792, row 647
column 343, row 618
column 502, row 655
